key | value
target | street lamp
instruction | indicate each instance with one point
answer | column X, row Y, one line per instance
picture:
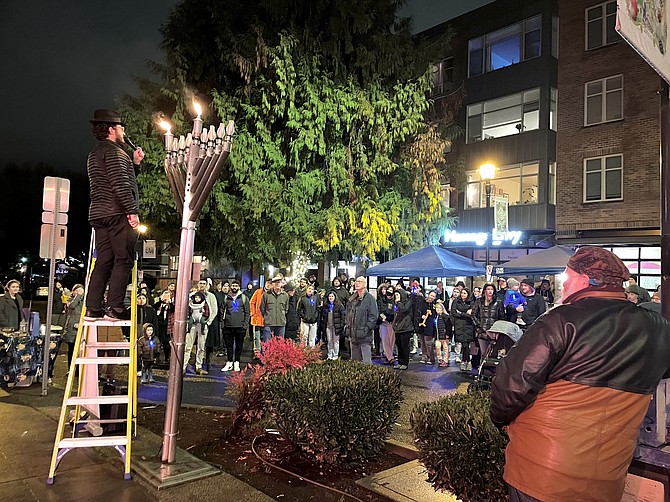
column 487, row 172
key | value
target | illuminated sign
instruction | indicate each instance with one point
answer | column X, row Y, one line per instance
column 512, row 237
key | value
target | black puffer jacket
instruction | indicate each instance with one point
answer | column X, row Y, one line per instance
column 464, row 326
column 292, row 319
column 339, row 317
column 403, row 320
column 486, row 315
column 385, row 306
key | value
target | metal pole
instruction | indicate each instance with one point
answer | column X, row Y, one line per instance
column 665, row 198
column 50, row 301
column 175, row 376
column 489, row 226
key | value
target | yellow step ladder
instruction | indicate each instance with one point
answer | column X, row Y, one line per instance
column 81, row 409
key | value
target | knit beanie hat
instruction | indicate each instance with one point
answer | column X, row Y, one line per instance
column 511, row 282
column 600, row 265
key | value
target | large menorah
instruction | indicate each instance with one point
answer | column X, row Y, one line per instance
column 192, row 165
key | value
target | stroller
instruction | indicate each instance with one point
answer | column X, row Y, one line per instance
column 503, row 335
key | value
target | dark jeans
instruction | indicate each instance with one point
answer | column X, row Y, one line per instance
column 402, row 340
column 114, row 250
column 234, row 336
column 518, row 496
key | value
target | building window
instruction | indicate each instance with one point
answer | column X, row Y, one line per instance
column 504, row 116
column 603, row 100
column 443, row 76
column 554, row 36
column 519, row 183
column 552, row 183
column 600, row 22
column 553, row 104
column 603, row 178
column 504, row 47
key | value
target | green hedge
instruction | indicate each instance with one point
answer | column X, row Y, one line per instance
column 339, row 411
column 463, row 452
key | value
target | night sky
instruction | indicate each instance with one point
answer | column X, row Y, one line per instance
column 62, row 60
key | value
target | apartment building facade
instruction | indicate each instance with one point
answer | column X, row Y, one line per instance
column 608, row 140
column 504, row 61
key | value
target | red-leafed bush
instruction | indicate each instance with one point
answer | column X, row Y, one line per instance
column 278, row 356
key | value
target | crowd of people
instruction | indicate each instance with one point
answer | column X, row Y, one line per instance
column 398, row 322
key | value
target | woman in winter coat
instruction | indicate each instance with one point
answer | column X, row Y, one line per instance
column 403, row 326
column 385, row 304
column 331, row 322
column 11, row 306
column 485, row 311
column 464, row 327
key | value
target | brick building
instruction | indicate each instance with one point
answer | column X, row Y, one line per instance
column 608, row 140
column 570, row 115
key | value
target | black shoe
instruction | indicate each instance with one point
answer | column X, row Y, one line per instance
column 93, row 315
column 117, row 315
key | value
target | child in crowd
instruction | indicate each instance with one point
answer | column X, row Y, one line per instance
column 513, row 299
column 147, row 347
column 443, row 329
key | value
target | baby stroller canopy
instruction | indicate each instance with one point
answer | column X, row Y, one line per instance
column 510, row 329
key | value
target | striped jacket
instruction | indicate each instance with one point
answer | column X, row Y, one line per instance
column 113, row 185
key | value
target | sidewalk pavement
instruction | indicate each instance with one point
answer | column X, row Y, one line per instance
column 97, row 474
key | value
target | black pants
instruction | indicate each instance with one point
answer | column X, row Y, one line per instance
column 234, row 336
column 402, row 341
column 519, row 496
column 115, row 243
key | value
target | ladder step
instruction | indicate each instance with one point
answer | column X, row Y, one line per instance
column 101, row 421
column 117, row 399
column 93, row 441
column 102, row 322
column 102, row 360
column 109, row 345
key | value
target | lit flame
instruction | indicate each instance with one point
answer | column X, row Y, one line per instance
column 197, row 107
column 165, row 125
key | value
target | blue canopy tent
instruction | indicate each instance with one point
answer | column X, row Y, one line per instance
column 552, row 260
column 431, row 261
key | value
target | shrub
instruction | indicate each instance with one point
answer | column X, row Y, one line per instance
column 278, row 356
column 337, row 412
column 462, row 450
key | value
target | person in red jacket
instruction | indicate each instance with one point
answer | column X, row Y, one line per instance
column 574, row 389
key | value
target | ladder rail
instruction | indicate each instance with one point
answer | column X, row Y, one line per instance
column 84, row 360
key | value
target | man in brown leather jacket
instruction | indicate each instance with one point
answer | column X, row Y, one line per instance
column 575, row 388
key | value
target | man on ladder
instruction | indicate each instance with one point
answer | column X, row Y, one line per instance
column 113, row 214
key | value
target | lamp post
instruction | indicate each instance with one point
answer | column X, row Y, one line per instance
column 487, row 172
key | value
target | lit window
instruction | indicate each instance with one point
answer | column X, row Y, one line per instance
column 603, row 178
column 552, row 183
column 504, row 47
column 519, row 183
column 600, row 22
column 504, row 116
column 603, row 100
column 553, row 115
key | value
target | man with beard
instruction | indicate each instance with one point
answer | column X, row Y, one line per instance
column 113, row 214
column 236, row 322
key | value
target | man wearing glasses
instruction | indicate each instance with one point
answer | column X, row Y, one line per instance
column 113, row 214
column 362, row 314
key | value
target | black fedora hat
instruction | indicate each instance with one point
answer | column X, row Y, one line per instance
column 106, row 116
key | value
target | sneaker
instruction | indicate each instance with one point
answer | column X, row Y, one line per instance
column 117, row 315
column 468, row 366
column 144, row 381
column 464, row 366
column 151, row 380
column 93, row 315
column 200, row 371
column 228, row 366
column 402, row 367
column 236, row 366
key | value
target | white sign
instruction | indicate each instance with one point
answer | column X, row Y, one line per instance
column 45, row 241
column 149, row 249
column 644, row 25
column 512, row 237
column 48, row 217
column 51, row 185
